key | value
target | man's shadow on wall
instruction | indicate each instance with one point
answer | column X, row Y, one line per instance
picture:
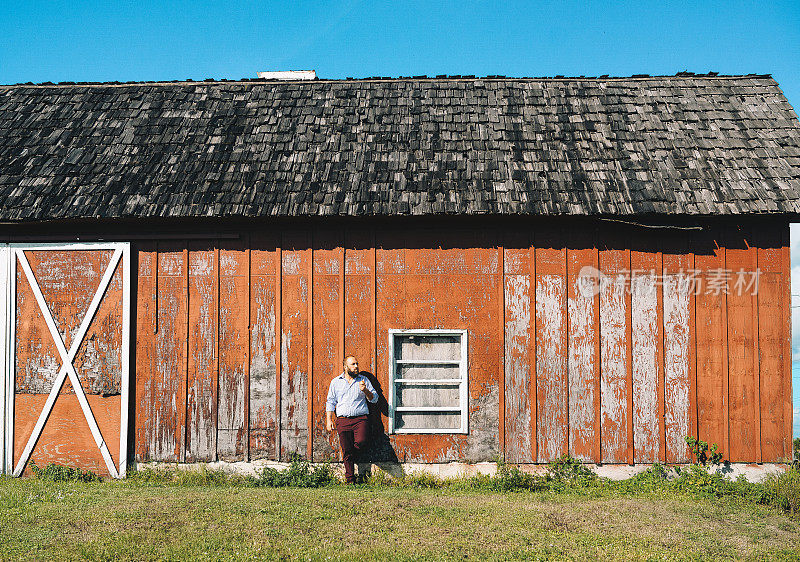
column 380, row 448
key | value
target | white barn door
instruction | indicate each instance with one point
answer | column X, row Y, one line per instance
column 65, row 330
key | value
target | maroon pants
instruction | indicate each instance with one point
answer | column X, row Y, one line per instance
column 353, row 434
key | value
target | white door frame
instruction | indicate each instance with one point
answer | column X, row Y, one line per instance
column 12, row 255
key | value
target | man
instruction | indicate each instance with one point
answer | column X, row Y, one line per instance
column 347, row 397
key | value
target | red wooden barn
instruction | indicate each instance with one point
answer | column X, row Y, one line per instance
column 526, row 267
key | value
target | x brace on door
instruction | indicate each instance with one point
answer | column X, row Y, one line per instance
column 121, row 251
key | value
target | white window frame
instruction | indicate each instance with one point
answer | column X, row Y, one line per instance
column 8, row 272
column 462, row 381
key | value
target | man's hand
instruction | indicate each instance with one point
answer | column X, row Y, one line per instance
column 362, row 386
column 330, row 425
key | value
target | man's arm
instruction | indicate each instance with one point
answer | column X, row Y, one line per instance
column 330, row 406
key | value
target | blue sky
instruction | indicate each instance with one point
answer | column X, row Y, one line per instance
column 157, row 40
column 165, row 40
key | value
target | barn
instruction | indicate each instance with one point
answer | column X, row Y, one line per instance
column 526, row 268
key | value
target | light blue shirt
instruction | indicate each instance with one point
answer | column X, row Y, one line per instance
column 346, row 399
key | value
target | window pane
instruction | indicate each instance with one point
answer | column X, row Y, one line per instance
column 428, row 372
column 427, row 420
column 427, row 395
column 433, row 347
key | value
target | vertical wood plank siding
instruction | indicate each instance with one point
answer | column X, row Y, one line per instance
column 743, row 370
column 201, row 431
column 233, row 353
column 551, row 346
column 712, row 352
column 144, row 392
column 678, row 364
column 294, row 343
column 519, row 332
column 774, row 331
column 582, row 360
column 263, row 345
column 646, row 340
column 608, row 344
column 614, row 353
column 169, row 373
column 326, row 333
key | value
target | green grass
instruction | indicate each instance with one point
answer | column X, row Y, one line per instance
column 144, row 518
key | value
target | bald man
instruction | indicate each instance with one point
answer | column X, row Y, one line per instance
column 348, row 395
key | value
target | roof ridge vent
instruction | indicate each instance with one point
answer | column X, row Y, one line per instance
column 288, row 75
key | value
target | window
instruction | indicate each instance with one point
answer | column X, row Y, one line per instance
column 428, row 381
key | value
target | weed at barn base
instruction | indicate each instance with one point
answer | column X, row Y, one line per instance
column 564, row 476
column 59, row 473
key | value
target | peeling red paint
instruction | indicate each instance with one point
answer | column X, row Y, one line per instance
column 573, row 361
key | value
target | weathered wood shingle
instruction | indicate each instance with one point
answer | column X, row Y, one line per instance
column 665, row 145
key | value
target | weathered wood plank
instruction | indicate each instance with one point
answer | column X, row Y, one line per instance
column 582, row 352
column 771, row 341
column 359, row 298
column 519, row 268
column 676, row 366
column 201, row 395
column 233, row 352
column 518, row 419
column 679, row 400
column 740, row 257
column 169, row 374
column 294, row 345
column 501, row 286
column 551, row 345
column 551, row 366
column 263, row 348
column 712, row 396
column 327, row 326
column 646, row 367
column 358, row 311
column 390, row 313
column 145, row 350
column 310, row 345
column 614, row 350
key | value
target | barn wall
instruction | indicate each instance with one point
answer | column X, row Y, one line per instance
column 238, row 339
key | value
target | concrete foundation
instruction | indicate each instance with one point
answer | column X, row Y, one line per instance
column 752, row 472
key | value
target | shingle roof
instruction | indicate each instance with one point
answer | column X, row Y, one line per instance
column 694, row 145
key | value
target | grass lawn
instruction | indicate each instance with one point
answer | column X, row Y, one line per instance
column 45, row 520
